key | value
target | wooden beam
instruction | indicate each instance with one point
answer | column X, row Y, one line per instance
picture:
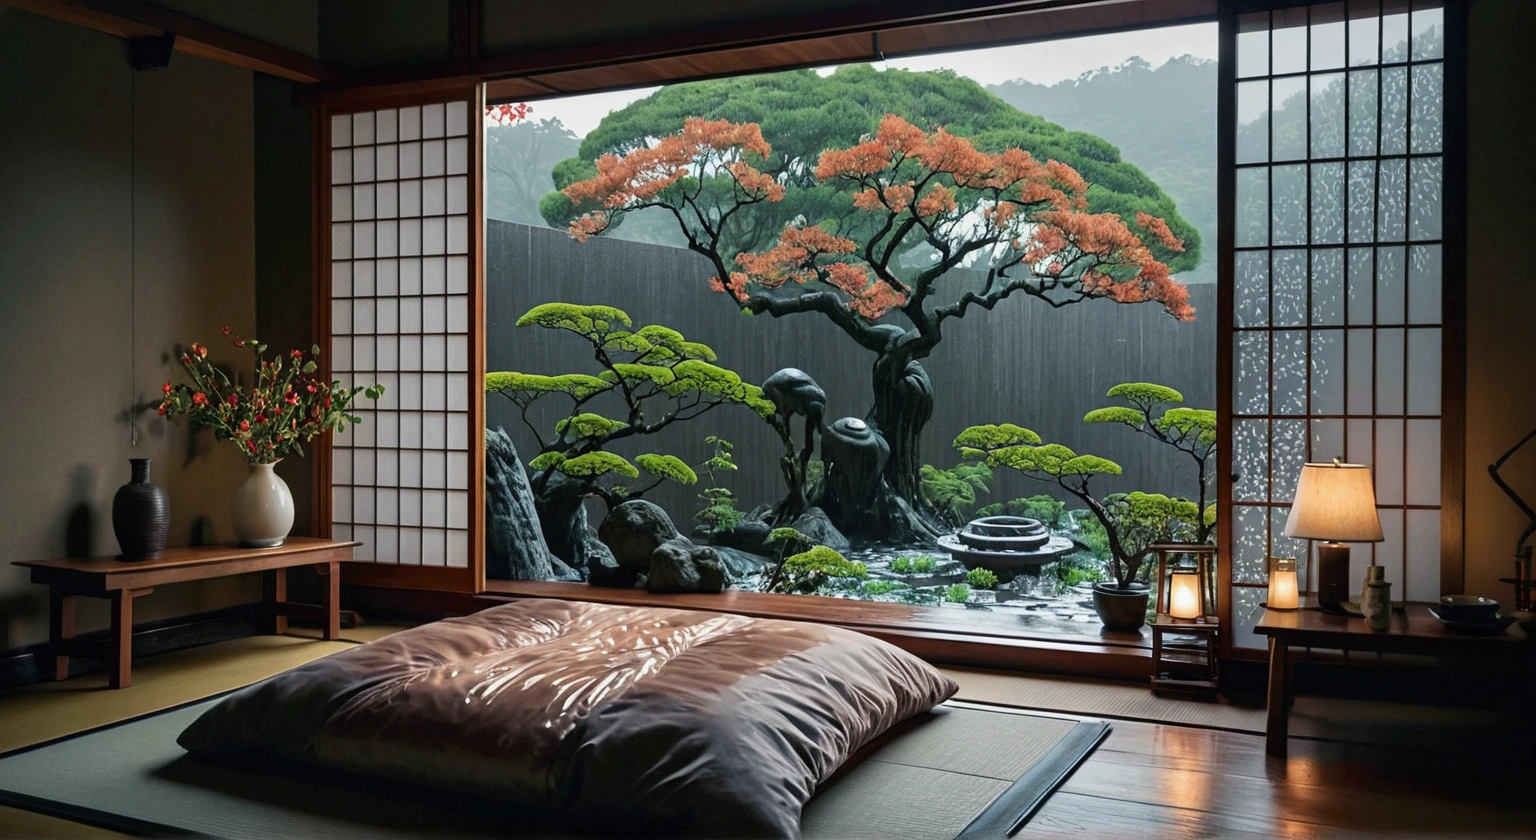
column 887, row 17
column 137, row 19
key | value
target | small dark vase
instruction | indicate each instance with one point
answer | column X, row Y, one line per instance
column 141, row 515
column 1123, row 610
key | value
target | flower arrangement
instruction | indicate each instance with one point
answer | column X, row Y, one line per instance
column 285, row 408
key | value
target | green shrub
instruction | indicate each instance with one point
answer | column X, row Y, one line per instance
column 1078, row 568
column 1043, row 508
column 958, row 593
column 809, row 571
column 924, row 565
column 876, row 588
column 981, row 579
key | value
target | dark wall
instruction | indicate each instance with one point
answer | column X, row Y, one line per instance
column 1024, row 362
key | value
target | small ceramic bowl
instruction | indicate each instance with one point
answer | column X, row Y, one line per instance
column 1468, row 608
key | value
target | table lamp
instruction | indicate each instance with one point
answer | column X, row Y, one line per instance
column 1336, row 504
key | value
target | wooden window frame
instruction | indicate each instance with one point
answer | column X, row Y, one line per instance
column 691, row 57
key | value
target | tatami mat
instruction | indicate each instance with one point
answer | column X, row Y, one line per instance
column 49, row 710
column 1100, row 698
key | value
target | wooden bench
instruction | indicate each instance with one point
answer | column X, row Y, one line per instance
column 121, row 581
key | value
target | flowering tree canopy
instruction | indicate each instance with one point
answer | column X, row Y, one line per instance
column 1024, row 220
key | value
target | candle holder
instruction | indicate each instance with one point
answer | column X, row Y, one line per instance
column 1284, row 592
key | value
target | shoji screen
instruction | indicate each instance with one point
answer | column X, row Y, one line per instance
column 402, row 300
column 1337, row 279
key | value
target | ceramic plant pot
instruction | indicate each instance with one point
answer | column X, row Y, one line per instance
column 263, row 511
column 141, row 514
column 1124, row 610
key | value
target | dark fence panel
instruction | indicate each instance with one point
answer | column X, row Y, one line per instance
column 1024, row 362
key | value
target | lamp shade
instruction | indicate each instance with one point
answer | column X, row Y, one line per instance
column 1184, row 597
column 1335, row 502
column 1282, row 593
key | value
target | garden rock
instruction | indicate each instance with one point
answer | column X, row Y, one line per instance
column 677, row 565
column 634, row 529
column 748, row 535
column 815, row 524
column 514, row 544
column 740, row 564
column 603, row 570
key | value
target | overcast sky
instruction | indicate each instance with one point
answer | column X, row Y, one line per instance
column 1042, row 63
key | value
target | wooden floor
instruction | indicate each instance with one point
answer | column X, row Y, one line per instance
column 1156, row 781
column 1147, row 780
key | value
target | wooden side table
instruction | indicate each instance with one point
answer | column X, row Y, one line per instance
column 121, row 581
column 1188, row 661
column 1413, row 631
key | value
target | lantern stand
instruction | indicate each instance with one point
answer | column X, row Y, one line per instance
column 1185, row 627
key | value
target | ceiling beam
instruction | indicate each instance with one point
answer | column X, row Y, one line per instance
column 137, row 19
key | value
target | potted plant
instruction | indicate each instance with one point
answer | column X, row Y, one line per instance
column 1154, row 411
column 284, row 407
column 1132, row 522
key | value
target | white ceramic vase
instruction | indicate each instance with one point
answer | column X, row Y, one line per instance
column 263, row 510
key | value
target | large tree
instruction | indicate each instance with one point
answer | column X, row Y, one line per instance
column 802, row 112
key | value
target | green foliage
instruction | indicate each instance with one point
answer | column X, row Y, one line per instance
column 981, row 579
column 976, row 441
column 597, row 464
column 809, row 571
column 719, row 512
column 792, row 537
column 921, row 564
column 958, row 593
column 1049, row 460
column 669, row 467
column 592, row 322
column 1116, row 414
column 1092, row 535
column 660, row 377
column 587, row 425
column 578, row 386
column 546, row 461
column 877, row 588
column 1077, row 568
column 1145, row 392
column 802, row 113
column 1041, row 507
column 952, row 492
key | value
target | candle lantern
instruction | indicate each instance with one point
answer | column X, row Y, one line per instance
column 1284, row 593
column 1185, row 628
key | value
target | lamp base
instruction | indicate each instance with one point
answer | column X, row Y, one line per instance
column 1332, row 577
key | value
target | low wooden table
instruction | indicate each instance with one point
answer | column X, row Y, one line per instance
column 120, row 581
column 1413, row 631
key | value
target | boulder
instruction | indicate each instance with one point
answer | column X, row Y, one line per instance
column 603, row 570
column 748, row 535
column 633, row 530
column 515, row 548
column 739, row 564
column 677, row 565
column 815, row 524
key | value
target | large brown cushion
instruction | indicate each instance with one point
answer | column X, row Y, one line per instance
column 629, row 718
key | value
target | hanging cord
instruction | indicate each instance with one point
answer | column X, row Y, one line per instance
column 133, row 259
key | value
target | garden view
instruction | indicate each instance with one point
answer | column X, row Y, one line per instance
column 930, row 331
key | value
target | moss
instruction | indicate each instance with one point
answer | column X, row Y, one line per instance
column 546, row 460
column 981, row 578
column 920, row 564
column 958, row 593
column 877, row 588
column 596, row 464
column 669, row 467
column 810, row 571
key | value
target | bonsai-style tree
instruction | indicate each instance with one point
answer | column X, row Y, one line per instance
column 1154, row 411
column 924, row 204
column 719, row 511
column 951, row 493
column 1132, row 522
column 658, row 378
